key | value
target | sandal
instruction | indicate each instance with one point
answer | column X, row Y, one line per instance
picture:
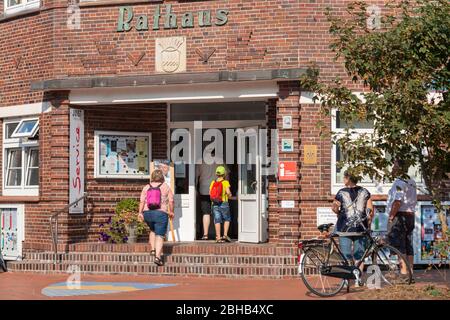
column 226, row 238
column 205, row 237
column 219, row 240
column 159, row 262
column 153, row 253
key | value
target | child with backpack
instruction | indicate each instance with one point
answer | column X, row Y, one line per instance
column 219, row 192
column 156, row 207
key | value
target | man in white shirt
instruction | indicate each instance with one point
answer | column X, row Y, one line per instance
column 205, row 174
column 401, row 206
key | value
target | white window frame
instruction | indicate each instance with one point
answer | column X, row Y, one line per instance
column 27, row 4
column 97, row 135
column 24, row 145
column 30, row 134
column 28, row 167
column 20, row 228
column 378, row 188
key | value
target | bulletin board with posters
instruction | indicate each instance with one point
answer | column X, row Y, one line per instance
column 428, row 231
column 122, row 155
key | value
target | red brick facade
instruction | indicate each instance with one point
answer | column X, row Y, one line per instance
column 259, row 35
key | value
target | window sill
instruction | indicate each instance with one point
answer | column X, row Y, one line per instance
column 18, row 199
column 5, row 16
column 21, row 192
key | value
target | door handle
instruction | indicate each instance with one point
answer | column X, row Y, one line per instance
column 254, row 185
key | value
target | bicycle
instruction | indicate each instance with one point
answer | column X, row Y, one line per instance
column 325, row 270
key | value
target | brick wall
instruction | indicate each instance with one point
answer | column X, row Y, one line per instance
column 287, row 221
column 53, row 172
column 259, row 35
column 315, row 178
column 25, row 56
column 106, row 193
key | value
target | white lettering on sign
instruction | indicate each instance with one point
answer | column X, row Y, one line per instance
column 76, row 162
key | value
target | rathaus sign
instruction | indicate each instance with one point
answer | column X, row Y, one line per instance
column 128, row 20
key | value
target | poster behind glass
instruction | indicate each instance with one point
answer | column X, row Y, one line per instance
column 380, row 221
column 124, row 155
column 431, row 231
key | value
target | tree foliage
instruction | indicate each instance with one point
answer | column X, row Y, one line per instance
column 404, row 65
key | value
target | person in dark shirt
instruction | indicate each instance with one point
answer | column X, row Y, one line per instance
column 350, row 201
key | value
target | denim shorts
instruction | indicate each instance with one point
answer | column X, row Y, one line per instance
column 157, row 221
column 221, row 212
column 355, row 253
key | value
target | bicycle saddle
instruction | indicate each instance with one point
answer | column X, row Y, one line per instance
column 325, row 227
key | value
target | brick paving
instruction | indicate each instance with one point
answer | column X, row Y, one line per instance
column 19, row 286
column 28, row 286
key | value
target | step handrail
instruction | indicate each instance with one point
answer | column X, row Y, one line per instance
column 54, row 231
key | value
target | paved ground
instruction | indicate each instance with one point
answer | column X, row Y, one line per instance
column 29, row 286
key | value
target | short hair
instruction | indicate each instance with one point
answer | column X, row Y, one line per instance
column 353, row 178
column 157, row 176
column 402, row 164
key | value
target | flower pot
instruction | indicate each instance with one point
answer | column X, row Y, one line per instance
column 132, row 233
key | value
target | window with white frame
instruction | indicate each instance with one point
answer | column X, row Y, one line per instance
column 358, row 128
column 21, row 157
column 13, row 6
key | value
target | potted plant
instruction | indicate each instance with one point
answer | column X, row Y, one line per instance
column 124, row 226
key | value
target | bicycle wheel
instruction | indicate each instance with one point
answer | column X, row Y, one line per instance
column 387, row 270
column 311, row 266
column 3, row 264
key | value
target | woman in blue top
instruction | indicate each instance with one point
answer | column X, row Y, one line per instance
column 350, row 201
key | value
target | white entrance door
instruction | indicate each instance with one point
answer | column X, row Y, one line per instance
column 249, row 189
column 11, row 235
column 184, row 193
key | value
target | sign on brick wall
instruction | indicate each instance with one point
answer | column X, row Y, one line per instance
column 287, row 171
column 76, row 165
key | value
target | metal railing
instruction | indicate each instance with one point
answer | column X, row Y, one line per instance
column 54, row 225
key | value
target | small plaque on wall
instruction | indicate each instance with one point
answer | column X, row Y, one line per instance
column 288, row 204
column 287, row 122
column 287, row 145
column 310, row 154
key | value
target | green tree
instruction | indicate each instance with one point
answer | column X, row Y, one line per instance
column 401, row 57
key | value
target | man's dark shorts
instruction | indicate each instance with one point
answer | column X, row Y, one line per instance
column 205, row 204
column 400, row 233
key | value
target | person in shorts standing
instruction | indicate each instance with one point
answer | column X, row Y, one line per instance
column 221, row 207
column 401, row 207
column 205, row 173
column 156, row 214
column 352, row 202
